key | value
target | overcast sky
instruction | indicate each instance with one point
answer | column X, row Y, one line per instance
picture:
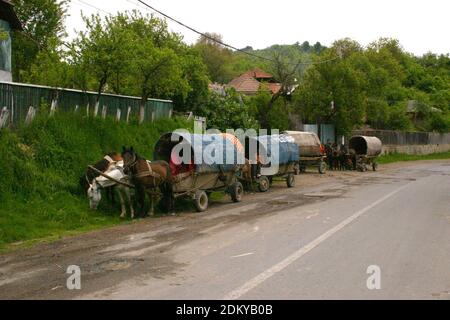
column 420, row 25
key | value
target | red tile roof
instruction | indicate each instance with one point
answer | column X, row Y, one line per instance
column 249, row 83
column 258, row 74
column 245, row 84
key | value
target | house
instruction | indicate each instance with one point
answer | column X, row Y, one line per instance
column 413, row 107
column 252, row 81
column 8, row 22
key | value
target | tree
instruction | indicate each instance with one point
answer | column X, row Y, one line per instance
column 229, row 112
column 155, row 68
column 103, row 50
column 217, row 58
column 43, row 23
column 335, row 91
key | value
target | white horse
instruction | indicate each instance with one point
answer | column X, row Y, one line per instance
column 115, row 171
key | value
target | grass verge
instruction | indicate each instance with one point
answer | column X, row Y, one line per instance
column 398, row 157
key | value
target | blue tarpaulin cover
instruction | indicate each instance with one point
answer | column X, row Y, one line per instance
column 214, row 152
column 287, row 151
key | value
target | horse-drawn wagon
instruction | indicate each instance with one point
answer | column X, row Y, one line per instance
column 277, row 156
column 366, row 151
column 312, row 153
column 201, row 164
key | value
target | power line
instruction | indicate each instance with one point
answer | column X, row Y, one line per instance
column 92, row 6
column 223, row 43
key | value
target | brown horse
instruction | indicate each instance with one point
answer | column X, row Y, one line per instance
column 248, row 175
column 102, row 165
column 148, row 177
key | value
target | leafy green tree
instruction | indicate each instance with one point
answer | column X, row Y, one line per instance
column 229, row 112
column 43, row 23
column 398, row 119
column 334, row 92
column 217, row 58
column 103, row 50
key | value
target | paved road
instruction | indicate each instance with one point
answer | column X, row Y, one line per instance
column 304, row 243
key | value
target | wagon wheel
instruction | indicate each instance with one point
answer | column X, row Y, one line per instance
column 201, row 200
column 322, row 167
column 290, row 180
column 237, row 192
column 374, row 166
column 263, row 184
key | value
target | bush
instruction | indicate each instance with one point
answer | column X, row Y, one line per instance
column 438, row 122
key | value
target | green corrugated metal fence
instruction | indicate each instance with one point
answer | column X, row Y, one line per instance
column 18, row 97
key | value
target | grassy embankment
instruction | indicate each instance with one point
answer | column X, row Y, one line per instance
column 40, row 165
column 398, row 157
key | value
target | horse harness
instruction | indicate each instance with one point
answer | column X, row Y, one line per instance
column 149, row 173
column 110, row 161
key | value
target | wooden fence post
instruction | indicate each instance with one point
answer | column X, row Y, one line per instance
column 30, row 115
column 53, row 107
column 87, row 110
column 4, row 116
column 104, row 112
column 77, row 107
column 118, row 114
column 128, row 114
column 97, row 105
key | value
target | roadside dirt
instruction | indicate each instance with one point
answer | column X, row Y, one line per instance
column 144, row 247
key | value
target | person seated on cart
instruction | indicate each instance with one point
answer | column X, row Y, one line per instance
column 178, row 168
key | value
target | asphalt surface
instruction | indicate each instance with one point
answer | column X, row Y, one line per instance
column 309, row 242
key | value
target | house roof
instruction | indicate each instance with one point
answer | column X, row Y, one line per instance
column 245, row 84
column 8, row 14
column 413, row 107
column 251, row 81
column 258, row 74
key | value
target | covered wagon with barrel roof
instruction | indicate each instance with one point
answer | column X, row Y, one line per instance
column 201, row 164
column 366, row 151
column 312, row 153
column 277, row 155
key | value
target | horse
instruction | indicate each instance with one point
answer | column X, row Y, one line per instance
column 115, row 171
column 102, row 165
column 247, row 175
column 148, row 177
column 335, row 160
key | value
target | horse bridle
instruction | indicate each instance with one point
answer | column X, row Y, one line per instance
column 132, row 164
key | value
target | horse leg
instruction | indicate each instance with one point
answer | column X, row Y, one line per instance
column 122, row 203
column 151, row 211
column 140, row 197
column 128, row 195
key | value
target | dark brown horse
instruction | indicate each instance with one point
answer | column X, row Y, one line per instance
column 148, row 177
column 102, row 165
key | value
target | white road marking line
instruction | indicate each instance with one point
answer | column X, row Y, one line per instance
column 256, row 281
column 243, row 255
